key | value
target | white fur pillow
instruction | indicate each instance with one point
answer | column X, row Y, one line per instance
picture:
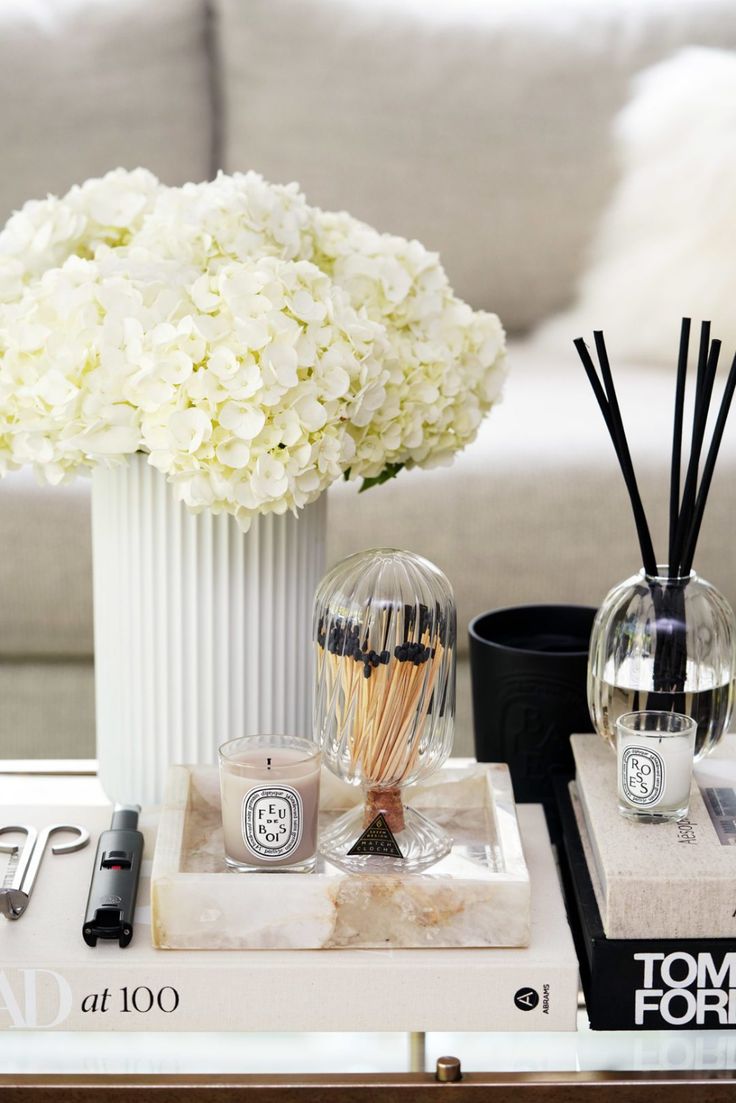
column 666, row 246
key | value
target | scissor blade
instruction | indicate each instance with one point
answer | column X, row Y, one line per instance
column 10, row 872
column 13, row 903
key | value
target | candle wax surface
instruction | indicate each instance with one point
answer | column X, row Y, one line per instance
column 285, row 762
column 270, row 815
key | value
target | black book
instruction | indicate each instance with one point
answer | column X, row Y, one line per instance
column 640, row 984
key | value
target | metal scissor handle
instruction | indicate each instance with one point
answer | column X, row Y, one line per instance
column 14, row 899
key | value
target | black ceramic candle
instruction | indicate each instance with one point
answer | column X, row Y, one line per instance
column 529, row 667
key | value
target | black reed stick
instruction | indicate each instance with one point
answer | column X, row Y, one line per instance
column 642, row 527
column 707, row 364
column 691, row 539
column 686, row 512
column 702, row 377
column 677, row 437
column 609, row 407
column 595, row 383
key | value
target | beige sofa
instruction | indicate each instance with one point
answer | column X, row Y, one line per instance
column 482, row 128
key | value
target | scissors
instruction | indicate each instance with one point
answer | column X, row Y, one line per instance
column 25, row 862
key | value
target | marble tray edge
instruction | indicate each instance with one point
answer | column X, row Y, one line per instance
column 171, row 826
column 170, row 884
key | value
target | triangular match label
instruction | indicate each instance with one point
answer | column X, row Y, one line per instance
column 377, row 839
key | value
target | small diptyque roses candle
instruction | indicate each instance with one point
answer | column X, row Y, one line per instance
column 269, row 787
column 655, row 753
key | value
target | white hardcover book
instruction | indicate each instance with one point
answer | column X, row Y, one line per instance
column 49, row 979
column 667, row 880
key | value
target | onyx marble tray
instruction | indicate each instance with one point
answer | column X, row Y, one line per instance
column 478, row 895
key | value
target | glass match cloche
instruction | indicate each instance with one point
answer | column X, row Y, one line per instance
column 384, row 704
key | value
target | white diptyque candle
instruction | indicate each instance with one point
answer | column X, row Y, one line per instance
column 269, row 787
column 654, row 752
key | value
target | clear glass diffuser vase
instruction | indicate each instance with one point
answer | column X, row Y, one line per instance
column 666, row 644
column 384, row 705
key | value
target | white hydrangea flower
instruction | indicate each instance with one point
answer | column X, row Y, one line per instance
column 256, row 348
column 45, row 232
column 231, row 217
column 447, row 362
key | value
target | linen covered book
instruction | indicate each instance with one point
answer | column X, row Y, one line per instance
column 639, row 983
column 669, row 880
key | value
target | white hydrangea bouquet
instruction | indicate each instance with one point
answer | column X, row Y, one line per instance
column 256, row 348
column 247, row 349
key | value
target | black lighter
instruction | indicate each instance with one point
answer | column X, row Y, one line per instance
column 112, row 892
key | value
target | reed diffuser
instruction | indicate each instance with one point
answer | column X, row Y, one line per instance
column 665, row 639
column 384, row 631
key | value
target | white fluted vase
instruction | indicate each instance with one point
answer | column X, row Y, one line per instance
column 202, row 632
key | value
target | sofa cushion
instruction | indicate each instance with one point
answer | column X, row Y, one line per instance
column 667, row 242
column 87, row 85
column 480, row 128
column 48, row 709
column 45, row 568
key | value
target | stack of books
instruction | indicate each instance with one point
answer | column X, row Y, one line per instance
column 51, row 980
column 652, row 907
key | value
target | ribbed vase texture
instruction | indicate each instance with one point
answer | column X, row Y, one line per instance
column 202, row 632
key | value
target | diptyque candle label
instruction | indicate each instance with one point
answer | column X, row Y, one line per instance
column 272, row 821
column 642, row 775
